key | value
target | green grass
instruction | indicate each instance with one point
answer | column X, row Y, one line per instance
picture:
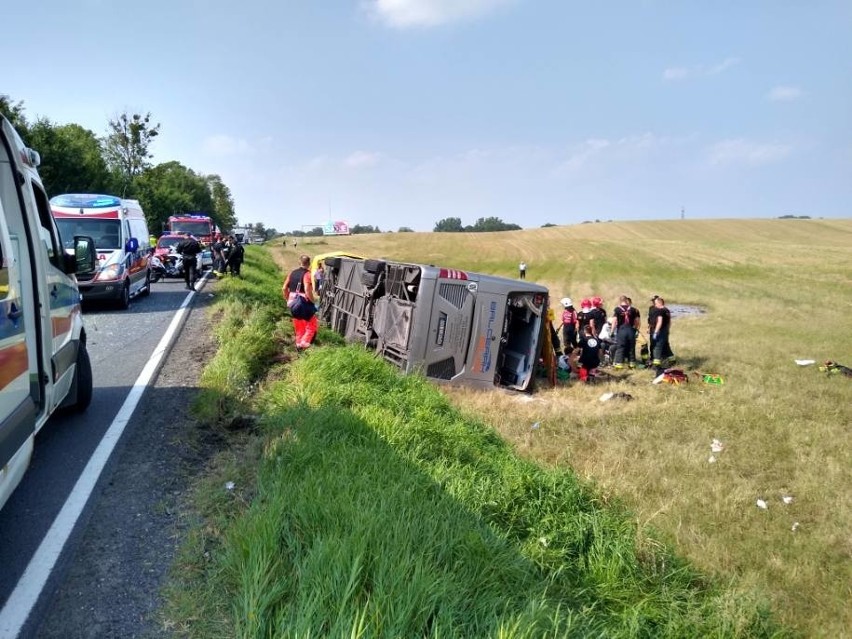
column 368, row 504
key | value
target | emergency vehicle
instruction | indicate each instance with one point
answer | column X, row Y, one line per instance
column 451, row 325
column 44, row 363
column 122, row 242
column 199, row 225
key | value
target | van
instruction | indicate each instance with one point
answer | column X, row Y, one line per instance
column 44, row 364
column 453, row 326
column 121, row 238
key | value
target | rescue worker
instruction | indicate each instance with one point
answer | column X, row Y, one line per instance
column 569, row 326
column 625, row 324
column 235, row 256
column 299, row 281
column 218, row 258
column 660, row 336
column 189, row 249
column 590, row 355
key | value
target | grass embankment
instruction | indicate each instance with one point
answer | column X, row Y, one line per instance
column 364, row 504
column 774, row 291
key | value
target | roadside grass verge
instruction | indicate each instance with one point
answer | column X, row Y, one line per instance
column 363, row 503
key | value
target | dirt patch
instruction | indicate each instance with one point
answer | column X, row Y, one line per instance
column 128, row 542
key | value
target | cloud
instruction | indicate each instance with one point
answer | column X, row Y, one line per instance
column 222, row 145
column 677, row 74
column 604, row 154
column 784, row 94
column 362, row 160
column 740, row 151
column 403, row 14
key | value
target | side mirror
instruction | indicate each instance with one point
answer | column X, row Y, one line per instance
column 84, row 259
column 132, row 245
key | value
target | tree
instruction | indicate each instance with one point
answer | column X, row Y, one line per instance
column 223, row 204
column 358, row 229
column 14, row 111
column 71, row 158
column 488, row 224
column 127, row 146
column 449, row 225
column 405, row 229
column 169, row 189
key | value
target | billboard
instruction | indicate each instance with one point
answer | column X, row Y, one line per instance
column 338, row 227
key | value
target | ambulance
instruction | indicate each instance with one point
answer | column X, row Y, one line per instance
column 121, row 238
column 44, row 364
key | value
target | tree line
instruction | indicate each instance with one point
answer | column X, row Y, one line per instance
column 75, row 160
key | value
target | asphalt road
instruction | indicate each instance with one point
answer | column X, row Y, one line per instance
column 120, row 343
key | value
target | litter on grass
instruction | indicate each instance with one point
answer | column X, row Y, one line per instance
column 620, row 395
column 536, row 426
column 805, row 362
column 787, row 499
column 833, row 368
column 762, row 504
column 671, row 376
column 717, row 446
column 711, row 378
column 230, row 485
column 711, row 459
column 795, row 526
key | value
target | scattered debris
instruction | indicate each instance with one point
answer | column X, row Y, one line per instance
column 795, row 526
column 536, row 426
column 711, row 378
column 833, row 368
column 711, row 459
column 620, row 395
column 805, row 362
column 230, row 485
column 717, row 446
column 543, row 541
column 762, row 504
column 787, row 499
column 671, row 376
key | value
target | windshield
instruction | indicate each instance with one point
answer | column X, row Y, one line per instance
column 106, row 233
column 197, row 228
column 169, row 242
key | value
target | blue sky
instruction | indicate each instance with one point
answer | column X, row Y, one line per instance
column 403, row 112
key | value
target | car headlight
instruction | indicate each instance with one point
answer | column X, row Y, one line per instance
column 111, row 272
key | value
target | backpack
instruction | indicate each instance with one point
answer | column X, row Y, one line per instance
column 298, row 303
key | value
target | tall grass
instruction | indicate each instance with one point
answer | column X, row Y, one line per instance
column 774, row 291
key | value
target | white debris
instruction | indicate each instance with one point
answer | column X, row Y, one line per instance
column 795, row 526
column 536, row 426
column 711, row 459
column 543, row 541
column 762, row 504
column 606, row 397
column 805, row 362
column 716, row 446
column 787, row 499
column 563, row 363
column 659, row 378
column 230, row 485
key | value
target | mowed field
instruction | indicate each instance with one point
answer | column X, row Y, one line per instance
column 774, row 291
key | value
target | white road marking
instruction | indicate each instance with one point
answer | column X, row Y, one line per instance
column 30, row 585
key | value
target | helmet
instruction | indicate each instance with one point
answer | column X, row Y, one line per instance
column 585, row 303
column 596, row 301
column 566, row 302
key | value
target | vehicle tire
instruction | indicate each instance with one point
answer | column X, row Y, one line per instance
column 156, row 277
column 333, row 263
column 146, row 290
column 124, row 300
column 374, row 266
column 83, row 379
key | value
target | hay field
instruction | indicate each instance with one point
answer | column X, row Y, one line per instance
column 774, row 291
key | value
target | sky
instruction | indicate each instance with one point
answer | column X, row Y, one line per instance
column 400, row 113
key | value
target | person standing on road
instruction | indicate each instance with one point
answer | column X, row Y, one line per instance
column 625, row 324
column 235, row 256
column 522, row 270
column 189, row 249
column 300, row 282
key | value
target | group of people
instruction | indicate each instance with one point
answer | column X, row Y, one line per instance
column 591, row 335
column 228, row 255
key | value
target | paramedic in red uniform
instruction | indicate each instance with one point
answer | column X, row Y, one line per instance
column 300, row 281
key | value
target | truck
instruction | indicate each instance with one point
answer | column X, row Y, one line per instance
column 44, row 363
column 452, row 325
column 198, row 224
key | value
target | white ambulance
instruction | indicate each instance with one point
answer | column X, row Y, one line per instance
column 122, row 240
column 44, row 364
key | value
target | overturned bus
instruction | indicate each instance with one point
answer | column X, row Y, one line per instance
column 451, row 325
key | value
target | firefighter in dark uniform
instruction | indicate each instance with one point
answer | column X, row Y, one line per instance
column 189, row 249
column 625, row 325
